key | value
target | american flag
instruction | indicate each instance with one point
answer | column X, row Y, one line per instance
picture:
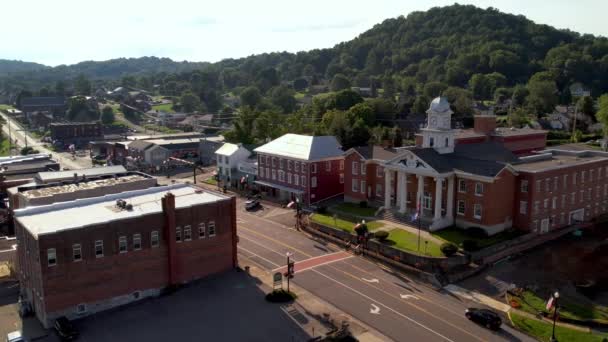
column 415, row 216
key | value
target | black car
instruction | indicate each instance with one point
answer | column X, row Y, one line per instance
column 252, row 204
column 65, row 329
column 485, row 317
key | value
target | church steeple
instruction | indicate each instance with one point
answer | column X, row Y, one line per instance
column 438, row 133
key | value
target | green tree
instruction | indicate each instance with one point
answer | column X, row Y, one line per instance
column 347, row 98
column 128, row 81
column 44, row 91
column 359, row 135
column 481, row 86
column 362, row 111
column 300, row 84
column 433, row 89
column 585, row 105
column 251, row 97
column 421, row 104
column 397, row 137
column 518, row 118
column 282, row 97
column 82, row 85
column 520, row 95
column 461, row 101
column 79, row 110
column 388, row 87
column 543, row 96
column 602, row 113
column 242, row 128
column 60, row 88
column 189, row 102
column 268, row 125
column 107, row 115
column 339, row 82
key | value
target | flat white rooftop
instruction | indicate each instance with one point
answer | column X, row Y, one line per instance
column 53, row 218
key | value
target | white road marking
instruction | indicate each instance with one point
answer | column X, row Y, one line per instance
column 374, row 310
column 373, row 280
column 272, row 250
column 318, row 257
column 258, row 256
column 408, row 296
column 385, row 306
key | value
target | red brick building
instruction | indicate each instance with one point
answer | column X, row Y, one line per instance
column 503, row 179
column 310, row 168
column 80, row 257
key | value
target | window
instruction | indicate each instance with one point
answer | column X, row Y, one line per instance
column 51, row 257
column 447, row 142
column 261, row 160
column 178, row 234
column 99, row 249
column 477, row 211
column 546, row 203
column 478, row 189
column 555, row 184
column 462, row 185
column 341, row 165
column 226, row 160
column 303, row 181
column 355, row 168
column 289, row 178
column 562, row 218
column 547, row 184
column 328, row 166
column 282, row 163
column 524, row 186
column 281, row 176
column 201, row 230
column 523, row 207
column 539, row 186
column 574, row 179
column 591, row 175
column 379, row 171
column 289, row 162
column 313, row 182
column 583, row 174
column 431, row 141
column 573, row 198
column 274, row 174
column 313, row 168
column 378, row 190
column 582, row 195
column 262, row 172
column 341, row 178
column 76, row 252
column 267, row 173
column 554, row 203
column 274, row 161
column 187, row 233
column 536, row 204
column 565, row 180
column 563, row 201
column 363, row 167
column 355, row 186
column 296, row 166
column 122, row 244
column 296, row 180
column 460, row 208
column 211, row 228
column 81, row 308
column 154, row 240
column 363, row 187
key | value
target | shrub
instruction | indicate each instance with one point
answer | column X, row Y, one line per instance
column 363, row 204
column 322, row 210
column 470, row 245
column 280, row 296
column 448, row 249
column 476, row 232
column 381, row 235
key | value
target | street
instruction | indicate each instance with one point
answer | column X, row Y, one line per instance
column 398, row 306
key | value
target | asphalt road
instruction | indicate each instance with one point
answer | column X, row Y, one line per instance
column 400, row 307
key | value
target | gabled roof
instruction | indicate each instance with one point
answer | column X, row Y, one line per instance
column 375, row 152
column 303, row 147
column 492, row 151
column 140, row 145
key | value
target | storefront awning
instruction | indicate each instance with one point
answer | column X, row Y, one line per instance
column 280, row 187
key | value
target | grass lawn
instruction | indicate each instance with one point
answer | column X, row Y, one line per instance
column 457, row 235
column 299, row 95
column 162, row 129
column 408, row 241
column 211, row 181
column 347, row 226
column 542, row 331
column 4, row 145
column 569, row 309
column 166, row 107
column 353, row 209
column 5, row 107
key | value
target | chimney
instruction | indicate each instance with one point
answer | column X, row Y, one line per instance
column 484, row 124
column 168, row 202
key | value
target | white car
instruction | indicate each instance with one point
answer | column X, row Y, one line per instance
column 15, row 336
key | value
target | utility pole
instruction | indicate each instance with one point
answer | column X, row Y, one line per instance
column 574, row 123
column 555, row 297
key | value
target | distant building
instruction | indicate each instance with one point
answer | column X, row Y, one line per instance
column 52, row 104
column 310, row 168
column 76, row 132
column 69, row 175
column 578, row 89
column 80, row 257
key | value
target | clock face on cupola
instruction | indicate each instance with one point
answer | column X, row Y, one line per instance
column 439, row 133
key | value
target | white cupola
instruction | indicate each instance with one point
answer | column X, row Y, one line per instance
column 438, row 133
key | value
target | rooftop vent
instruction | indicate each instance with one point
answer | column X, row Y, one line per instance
column 121, row 203
column 129, row 207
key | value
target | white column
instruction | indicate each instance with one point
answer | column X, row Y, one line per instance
column 438, row 198
column 403, row 192
column 450, row 207
column 398, row 192
column 387, row 188
column 420, row 193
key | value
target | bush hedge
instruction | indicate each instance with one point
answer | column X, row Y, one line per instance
column 381, row 235
column 470, row 245
column 448, row 249
column 280, row 296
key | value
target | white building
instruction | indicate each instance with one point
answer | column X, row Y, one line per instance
column 229, row 156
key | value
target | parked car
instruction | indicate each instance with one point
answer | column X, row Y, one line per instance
column 15, row 336
column 485, row 317
column 252, row 204
column 65, row 329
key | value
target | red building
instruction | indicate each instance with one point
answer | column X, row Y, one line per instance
column 84, row 256
column 492, row 178
column 310, row 168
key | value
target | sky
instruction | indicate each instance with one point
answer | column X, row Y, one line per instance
column 69, row 31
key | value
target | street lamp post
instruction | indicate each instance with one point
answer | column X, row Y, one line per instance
column 289, row 269
column 555, row 297
column 297, row 213
column 426, row 244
